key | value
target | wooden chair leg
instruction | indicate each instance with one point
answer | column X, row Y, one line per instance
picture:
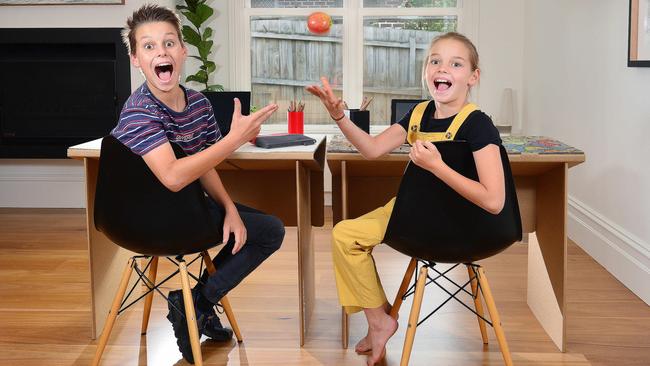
column 403, row 287
column 345, row 330
column 112, row 315
column 494, row 315
column 413, row 317
column 477, row 302
column 192, row 328
column 153, row 271
column 224, row 300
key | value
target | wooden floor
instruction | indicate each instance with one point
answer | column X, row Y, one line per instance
column 45, row 310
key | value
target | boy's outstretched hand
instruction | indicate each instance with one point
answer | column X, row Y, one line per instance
column 332, row 103
column 246, row 128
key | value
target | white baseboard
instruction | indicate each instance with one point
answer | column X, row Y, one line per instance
column 621, row 253
column 51, row 183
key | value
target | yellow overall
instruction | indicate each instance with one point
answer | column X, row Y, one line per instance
column 356, row 276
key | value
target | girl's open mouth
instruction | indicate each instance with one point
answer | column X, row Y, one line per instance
column 442, row 84
column 164, row 71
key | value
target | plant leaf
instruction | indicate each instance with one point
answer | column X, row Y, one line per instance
column 209, row 66
column 207, row 33
column 199, row 77
column 192, row 78
column 215, row 87
column 203, row 12
column 204, row 49
column 191, row 36
column 202, row 75
column 192, row 4
column 193, row 18
column 197, row 57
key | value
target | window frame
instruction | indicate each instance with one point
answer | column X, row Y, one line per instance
column 353, row 13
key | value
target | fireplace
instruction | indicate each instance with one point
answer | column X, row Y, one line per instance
column 59, row 87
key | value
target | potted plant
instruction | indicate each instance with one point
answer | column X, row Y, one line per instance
column 198, row 12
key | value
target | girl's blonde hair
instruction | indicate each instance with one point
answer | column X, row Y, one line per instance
column 473, row 53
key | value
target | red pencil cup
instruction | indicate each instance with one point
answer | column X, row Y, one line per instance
column 295, row 122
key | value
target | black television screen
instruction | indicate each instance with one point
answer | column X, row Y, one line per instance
column 223, row 106
column 399, row 108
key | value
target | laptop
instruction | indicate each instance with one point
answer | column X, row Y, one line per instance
column 223, row 106
column 399, row 108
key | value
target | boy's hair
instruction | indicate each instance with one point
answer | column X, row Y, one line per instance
column 473, row 53
column 146, row 14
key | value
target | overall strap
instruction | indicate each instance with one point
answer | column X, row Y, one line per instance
column 415, row 120
column 417, row 115
column 459, row 119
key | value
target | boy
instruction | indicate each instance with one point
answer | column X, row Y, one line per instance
column 162, row 111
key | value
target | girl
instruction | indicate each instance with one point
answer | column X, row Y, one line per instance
column 449, row 72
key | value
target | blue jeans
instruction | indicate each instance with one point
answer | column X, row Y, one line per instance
column 265, row 234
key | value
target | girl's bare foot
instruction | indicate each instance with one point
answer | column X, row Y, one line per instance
column 364, row 345
column 379, row 331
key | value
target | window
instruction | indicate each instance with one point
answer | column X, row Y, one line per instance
column 374, row 49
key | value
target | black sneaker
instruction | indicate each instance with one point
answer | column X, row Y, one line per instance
column 215, row 331
column 208, row 321
column 177, row 317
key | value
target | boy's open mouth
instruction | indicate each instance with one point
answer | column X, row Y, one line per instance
column 164, row 71
column 441, row 84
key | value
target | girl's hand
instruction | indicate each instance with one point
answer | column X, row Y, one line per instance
column 232, row 223
column 333, row 104
column 425, row 155
column 246, row 128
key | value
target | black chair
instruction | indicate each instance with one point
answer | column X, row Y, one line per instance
column 137, row 212
column 432, row 223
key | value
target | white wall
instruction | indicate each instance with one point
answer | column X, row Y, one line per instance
column 579, row 90
column 56, row 182
column 501, row 50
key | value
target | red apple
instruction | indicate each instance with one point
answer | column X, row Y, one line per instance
column 319, row 22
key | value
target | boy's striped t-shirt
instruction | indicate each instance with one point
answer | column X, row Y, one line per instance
column 146, row 123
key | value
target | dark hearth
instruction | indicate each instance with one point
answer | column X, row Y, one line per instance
column 59, row 87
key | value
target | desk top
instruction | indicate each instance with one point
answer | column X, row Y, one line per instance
column 248, row 151
column 519, row 148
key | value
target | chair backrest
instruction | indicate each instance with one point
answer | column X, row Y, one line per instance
column 432, row 221
column 137, row 212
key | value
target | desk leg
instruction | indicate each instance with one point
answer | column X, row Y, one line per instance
column 306, row 276
column 547, row 255
column 106, row 260
column 345, row 331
